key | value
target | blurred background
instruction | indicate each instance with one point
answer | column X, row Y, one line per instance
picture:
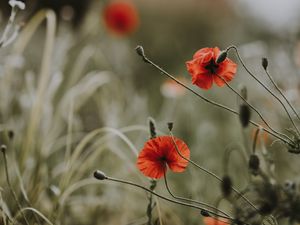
column 97, row 82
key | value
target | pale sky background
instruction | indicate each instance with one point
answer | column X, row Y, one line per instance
column 277, row 15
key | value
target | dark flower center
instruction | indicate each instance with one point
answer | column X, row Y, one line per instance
column 163, row 159
column 212, row 66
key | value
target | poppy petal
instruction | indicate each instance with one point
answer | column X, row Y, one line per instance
column 149, row 164
column 160, row 152
column 213, row 221
column 177, row 163
column 203, row 68
column 195, row 67
column 201, row 52
column 203, row 81
column 227, row 71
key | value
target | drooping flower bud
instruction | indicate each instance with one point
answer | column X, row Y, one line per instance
column 100, row 175
column 204, row 213
column 264, row 63
column 245, row 114
column 152, row 128
column 226, row 186
column 222, row 56
column 254, row 164
column 11, row 134
column 170, row 126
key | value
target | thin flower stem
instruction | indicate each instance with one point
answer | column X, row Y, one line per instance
column 255, row 140
column 262, row 84
column 252, row 107
column 210, row 173
column 288, row 142
column 169, row 199
column 191, row 200
column 282, row 94
column 3, row 149
column 8, row 26
column 150, row 204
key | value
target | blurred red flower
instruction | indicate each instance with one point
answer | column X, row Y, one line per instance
column 121, row 17
column 160, row 152
column 212, row 221
column 203, row 68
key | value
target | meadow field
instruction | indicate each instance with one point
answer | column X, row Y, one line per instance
column 119, row 112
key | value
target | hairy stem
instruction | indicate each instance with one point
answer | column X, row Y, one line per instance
column 191, row 200
column 210, row 173
column 252, row 107
column 262, row 84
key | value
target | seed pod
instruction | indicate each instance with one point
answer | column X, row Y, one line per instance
column 245, row 114
column 226, row 186
column 222, row 56
column 264, row 63
column 254, row 164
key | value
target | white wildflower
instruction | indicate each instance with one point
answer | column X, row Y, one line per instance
column 16, row 3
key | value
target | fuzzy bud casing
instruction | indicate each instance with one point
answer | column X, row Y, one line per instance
column 254, row 163
column 100, row 175
column 264, row 63
column 245, row 114
column 221, row 57
column 226, row 186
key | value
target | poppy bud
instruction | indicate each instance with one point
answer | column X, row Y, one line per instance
column 245, row 114
column 222, row 56
column 100, row 175
column 140, row 51
column 264, row 63
column 170, row 126
column 3, row 148
column 204, row 213
column 226, row 186
column 10, row 134
column 152, row 128
column 254, row 163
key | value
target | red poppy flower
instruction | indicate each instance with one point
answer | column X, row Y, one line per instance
column 212, row 221
column 160, row 152
column 121, row 17
column 204, row 69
